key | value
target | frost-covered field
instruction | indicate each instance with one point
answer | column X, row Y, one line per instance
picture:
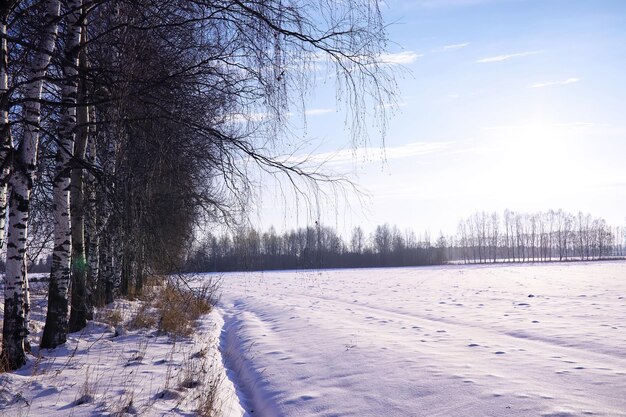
column 471, row 341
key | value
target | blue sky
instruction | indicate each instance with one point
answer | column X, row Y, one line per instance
column 506, row 104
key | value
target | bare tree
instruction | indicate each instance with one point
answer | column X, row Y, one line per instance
column 495, row 234
column 16, row 306
column 6, row 140
column 357, row 241
column 56, row 327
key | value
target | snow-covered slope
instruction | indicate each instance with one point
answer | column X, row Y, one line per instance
column 542, row 340
column 135, row 373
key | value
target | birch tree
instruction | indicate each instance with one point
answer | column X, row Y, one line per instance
column 81, row 307
column 56, row 327
column 16, row 308
column 6, row 140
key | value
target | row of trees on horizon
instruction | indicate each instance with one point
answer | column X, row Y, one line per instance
column 481, row 238
column 311, row 247
column 531, row 237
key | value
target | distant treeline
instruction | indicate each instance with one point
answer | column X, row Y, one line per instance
column 481, row 238
column 312, row 247
column 535, row 237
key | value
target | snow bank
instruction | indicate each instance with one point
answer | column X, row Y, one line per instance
column 137, row 373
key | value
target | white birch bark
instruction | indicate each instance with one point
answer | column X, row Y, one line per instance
column 81, row 312
column 6, row 142
column 15, row 331
column 56, row 327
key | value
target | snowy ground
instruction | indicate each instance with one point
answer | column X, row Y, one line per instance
column 133, row 373
column 471, row 341
column 542, row 340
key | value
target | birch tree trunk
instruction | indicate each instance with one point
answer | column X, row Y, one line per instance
column 80, row 312
column 6, row 141
column 15, row 331
column 56, row 327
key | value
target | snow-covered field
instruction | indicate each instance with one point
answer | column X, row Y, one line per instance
column 471, row 341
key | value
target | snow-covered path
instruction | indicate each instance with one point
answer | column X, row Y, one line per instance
column 543, row 340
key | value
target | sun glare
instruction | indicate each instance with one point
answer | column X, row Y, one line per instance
column 530, row 159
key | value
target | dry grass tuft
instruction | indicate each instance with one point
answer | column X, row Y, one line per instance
column 172, row 307
column 179, row 308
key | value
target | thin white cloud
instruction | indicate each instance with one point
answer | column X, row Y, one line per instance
column 452, row 47
column 506, row 57
column 318, row 112
column 394, row 105
column 399, row 58
column 551, row 83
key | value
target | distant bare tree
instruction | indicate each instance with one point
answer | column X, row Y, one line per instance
column 357, row 241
